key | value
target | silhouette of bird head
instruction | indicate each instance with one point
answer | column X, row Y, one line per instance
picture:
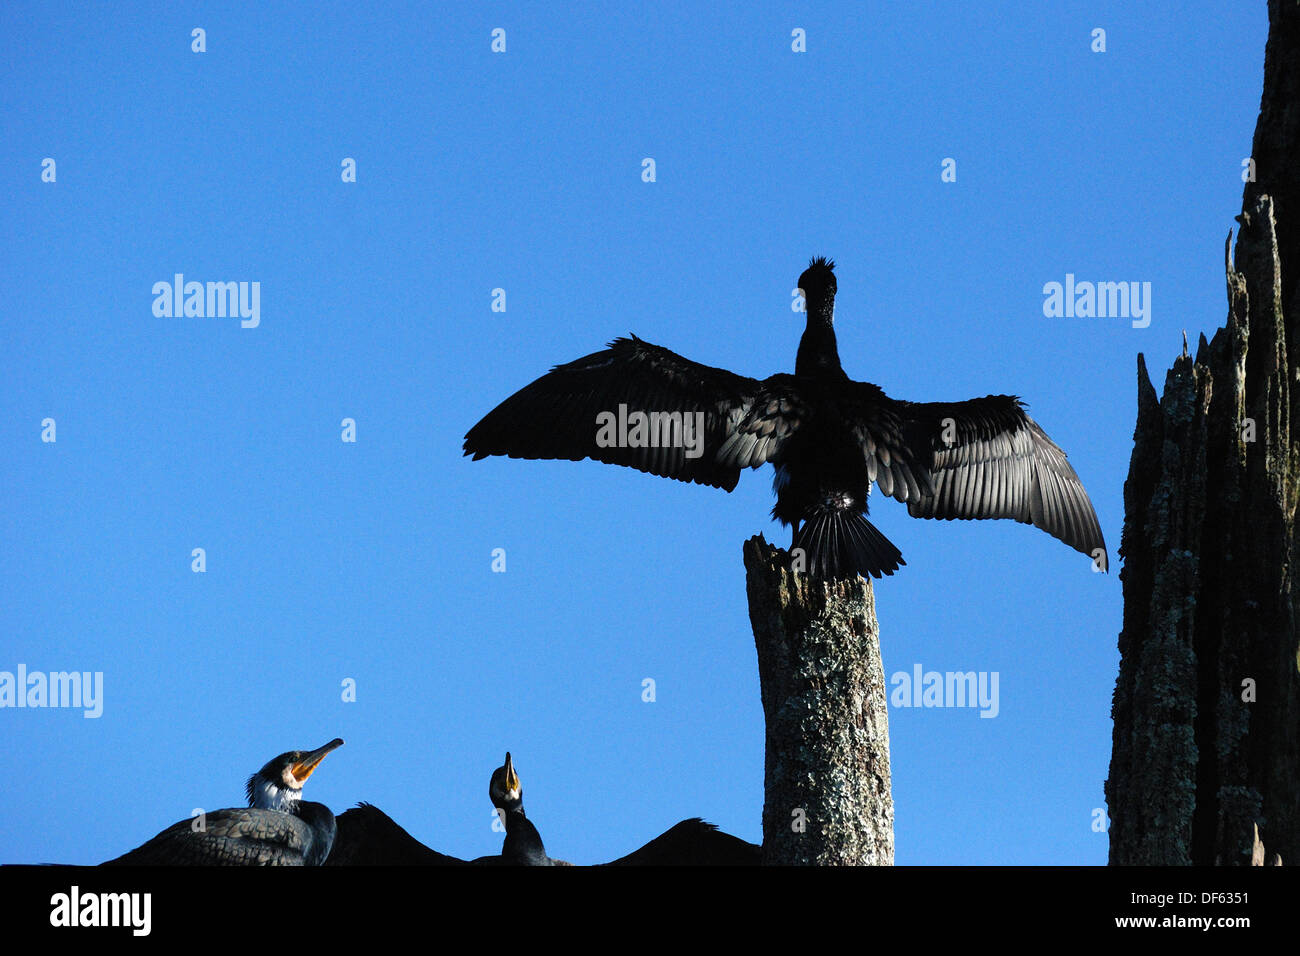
column 504, row 788
column 818, row 280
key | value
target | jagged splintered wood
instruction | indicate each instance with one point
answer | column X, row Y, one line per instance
column 827, row 798
column 1207, row 705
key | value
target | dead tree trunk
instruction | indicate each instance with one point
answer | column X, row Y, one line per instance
column 1207, row 705
column 827, row 797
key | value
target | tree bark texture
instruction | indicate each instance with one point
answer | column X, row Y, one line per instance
column 1207, row 705
column 827, row 798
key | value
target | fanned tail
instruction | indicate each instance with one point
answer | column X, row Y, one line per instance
column 843, row 543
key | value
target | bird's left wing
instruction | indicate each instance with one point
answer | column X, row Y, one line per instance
column 638, row 405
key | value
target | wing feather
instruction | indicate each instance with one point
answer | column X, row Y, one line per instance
column 234, row 837
column 984, row 458
column 745, row 421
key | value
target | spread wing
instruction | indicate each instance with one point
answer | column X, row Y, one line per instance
column 642, row 406
column 369, row 837
column 237, row 837
column 984, row 458
column 693, row 843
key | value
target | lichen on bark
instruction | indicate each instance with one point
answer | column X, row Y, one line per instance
column 827, row 797
column 1207, row 705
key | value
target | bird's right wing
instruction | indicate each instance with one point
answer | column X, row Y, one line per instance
column 235, row 837
column 369, row 837
column 589, row 409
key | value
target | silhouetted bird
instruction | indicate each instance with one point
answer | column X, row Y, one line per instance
column 828, row 437
column 690, row 843
column 369, row 837
column 278, row 828
column 523, row 844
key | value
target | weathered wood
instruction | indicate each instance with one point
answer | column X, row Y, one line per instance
column 1207, row 705
column 1258, row 854
column 827, row 798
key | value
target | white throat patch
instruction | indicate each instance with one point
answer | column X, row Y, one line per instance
column 268, row 796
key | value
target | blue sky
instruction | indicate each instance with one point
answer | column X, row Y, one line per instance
column 522, row 171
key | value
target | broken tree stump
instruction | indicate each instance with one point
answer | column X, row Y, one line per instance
column 1207, row 705
column 827, row 798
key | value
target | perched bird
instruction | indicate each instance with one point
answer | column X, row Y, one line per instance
column 278, row 828
column 369, row 837
column 523, row 844
column 828, row 437
column 690, row 843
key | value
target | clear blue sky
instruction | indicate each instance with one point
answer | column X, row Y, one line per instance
column 522, row 171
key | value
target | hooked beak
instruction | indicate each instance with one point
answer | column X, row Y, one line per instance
column 305, row 767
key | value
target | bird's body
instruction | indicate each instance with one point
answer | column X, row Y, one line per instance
column 246, row 836
column 278, row 828
column 523, row 843
column 828, row 437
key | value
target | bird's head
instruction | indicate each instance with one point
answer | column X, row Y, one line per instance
column 818, row 285
column 278, row 785
column 504, row 788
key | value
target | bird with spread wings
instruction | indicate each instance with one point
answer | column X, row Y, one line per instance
column 828, row 438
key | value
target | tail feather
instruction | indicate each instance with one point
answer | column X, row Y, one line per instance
column 841, row 544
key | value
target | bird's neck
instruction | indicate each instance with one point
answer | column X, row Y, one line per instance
column 523, row 844
column 267, row 795
column 819, row 356
column 323, row 827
